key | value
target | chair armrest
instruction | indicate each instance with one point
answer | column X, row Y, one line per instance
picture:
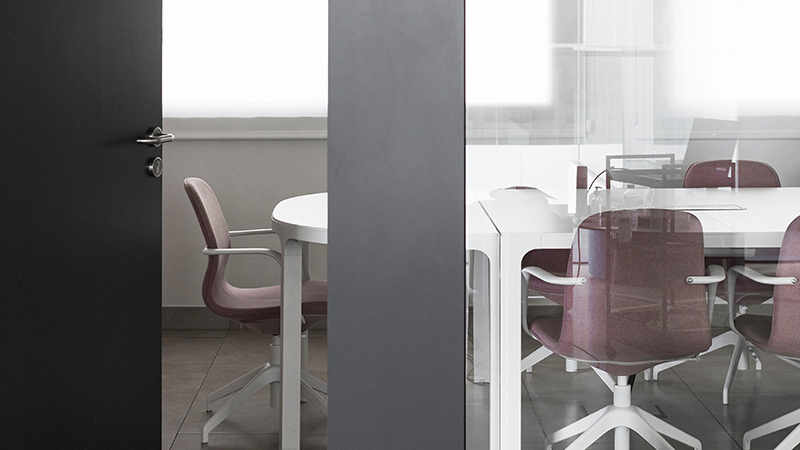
column 717, row 275
column 548, row 277
column 761, row 278
column 251, row 232
column 244, row 251
column 754, row 275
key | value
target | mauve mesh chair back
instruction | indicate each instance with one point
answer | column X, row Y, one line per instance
column 785, row 336
column 553, row 260
column 636, row 306
column 725, row 173
column 216, row 289
column 743, row 174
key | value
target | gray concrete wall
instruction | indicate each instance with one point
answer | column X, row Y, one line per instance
column 396, row 225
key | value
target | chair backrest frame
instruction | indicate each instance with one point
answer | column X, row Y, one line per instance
column 784, row 338
column 217, row 235
column 726, row 173
column 636, row 306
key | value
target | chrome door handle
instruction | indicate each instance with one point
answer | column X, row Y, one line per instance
column 156, row 137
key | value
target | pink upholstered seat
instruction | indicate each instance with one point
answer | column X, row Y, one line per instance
column 552, row 260
column 632, row 300
column 257, row 308
column 778, row 334
column 757, row 329
column 740, row 174
column 636, row 308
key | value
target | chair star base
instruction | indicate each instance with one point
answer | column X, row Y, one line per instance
column 622, row 417
column 789, row 442
column 739, row 361
column 268, row 374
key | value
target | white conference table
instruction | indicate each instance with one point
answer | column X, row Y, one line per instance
column 505, row 227
column 304, row 219
column 297, row 221
column 527, row 220
column 482, row 236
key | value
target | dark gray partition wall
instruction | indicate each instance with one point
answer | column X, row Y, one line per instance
column 396, row 225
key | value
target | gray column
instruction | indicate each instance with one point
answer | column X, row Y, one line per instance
column 396, row 225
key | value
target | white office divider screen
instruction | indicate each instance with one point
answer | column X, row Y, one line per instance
column 568, row 99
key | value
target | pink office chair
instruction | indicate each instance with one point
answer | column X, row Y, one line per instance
column 741, row 174
column 257, row 308
column 634, row 297
column 553, row 261
column 725, row 173
column 778, row 334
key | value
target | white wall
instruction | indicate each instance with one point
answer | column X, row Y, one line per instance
column 249, row 177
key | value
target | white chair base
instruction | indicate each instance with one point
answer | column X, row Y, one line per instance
column 725, row 339
column 739, row 360
column 535, row 357
column 252, row 382
column 789, row 442
column 622, row 417
column 527, row 363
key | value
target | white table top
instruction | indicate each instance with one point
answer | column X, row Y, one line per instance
column 755, row 217
column 528, row 219
column 304, row 218
column 477, row 222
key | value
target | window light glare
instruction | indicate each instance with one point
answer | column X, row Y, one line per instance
column 245, row 58
column 736, row 50
column 508, row 52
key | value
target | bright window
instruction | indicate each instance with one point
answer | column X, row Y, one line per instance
column 737, row 51
column 245, row 58
column 508, row 52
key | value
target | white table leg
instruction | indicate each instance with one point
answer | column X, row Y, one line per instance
column 291, row 316
column 510, row 348
column 493, row 252
column 489, row 245
column 481, row 331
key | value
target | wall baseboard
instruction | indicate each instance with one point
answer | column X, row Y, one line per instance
column 200, row 318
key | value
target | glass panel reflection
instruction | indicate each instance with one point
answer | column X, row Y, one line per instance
column 688, row 106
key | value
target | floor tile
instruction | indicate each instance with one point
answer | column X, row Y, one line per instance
column 318, row 357
column 708, row 376
column 196, row 362
column 746, row 411
column 179, row 386
column 189, row 350
column 254, row 416
column 244, row 347
column 245, row 441
column 193, row 333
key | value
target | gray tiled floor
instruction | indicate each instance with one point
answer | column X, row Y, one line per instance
column 196, row 362
column 689, row 395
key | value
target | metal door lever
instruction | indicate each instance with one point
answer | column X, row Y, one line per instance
column 156, row 137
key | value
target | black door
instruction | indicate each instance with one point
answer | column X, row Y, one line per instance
column 80, row 225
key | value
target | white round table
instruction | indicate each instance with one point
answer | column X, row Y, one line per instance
column 297, row 221
column 304, row 218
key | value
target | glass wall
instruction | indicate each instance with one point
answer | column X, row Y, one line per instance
column 579, row 106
